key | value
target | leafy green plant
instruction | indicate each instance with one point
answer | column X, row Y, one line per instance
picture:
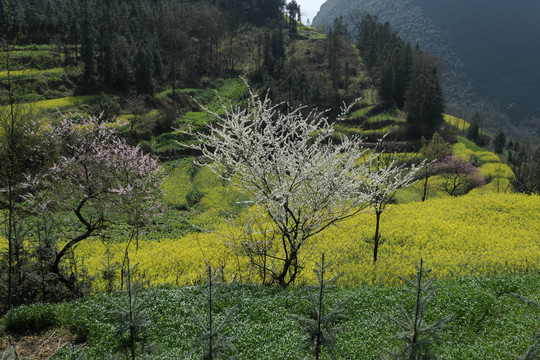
column 533, row 353
column 321, row 326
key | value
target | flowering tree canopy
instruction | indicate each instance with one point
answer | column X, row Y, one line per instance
column 459, row 175
column 98, row 178
column 299, row 180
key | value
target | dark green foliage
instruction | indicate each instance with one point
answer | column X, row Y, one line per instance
column 294, row 13
column 424, row 101
column 499, row 141
column 463, row 36
column 126, row 45
column 321, row 326
column 409, row 79
column 143, row 72
column 388, row 58
column 473, row 132
column 415, row 334
column 337, row 34
column 525, row 163
column 87, row 41
column 31, row 318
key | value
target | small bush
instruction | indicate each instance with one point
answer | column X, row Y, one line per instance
column 31, row 318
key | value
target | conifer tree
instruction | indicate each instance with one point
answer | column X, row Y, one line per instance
column 213, row 343
column 424, row 100
column 132, row 318
column 473, row 132
column 416, row 336
column 321, row 327
column 499, row 142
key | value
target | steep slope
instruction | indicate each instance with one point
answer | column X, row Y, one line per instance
column 491, row 44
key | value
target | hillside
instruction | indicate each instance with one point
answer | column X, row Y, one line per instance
column 154, row 204
column 490, row 48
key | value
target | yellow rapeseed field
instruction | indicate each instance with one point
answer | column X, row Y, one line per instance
column 470, row 235
column 458, row 123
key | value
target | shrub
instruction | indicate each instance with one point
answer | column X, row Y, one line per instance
column 34, row 318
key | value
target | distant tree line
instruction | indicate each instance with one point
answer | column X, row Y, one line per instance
column 136, row 44
column 407, row 78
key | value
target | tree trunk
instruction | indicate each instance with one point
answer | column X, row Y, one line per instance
column 424, row 196
column 377, row 235
column 291, row 263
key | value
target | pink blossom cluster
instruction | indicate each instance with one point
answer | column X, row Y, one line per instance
column 459, row 174
column 98, row 172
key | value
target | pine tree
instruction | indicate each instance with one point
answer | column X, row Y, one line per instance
column 424, row 102
column 416, row 336
column 132, row 319
column 87, row 43
column 143, row 73
column 499, row 141
column 473, row 132
column 321, row 327
column 213, row 343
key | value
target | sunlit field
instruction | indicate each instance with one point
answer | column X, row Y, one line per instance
column 471, row 235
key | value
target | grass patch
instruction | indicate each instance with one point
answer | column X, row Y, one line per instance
column 392, row 114
column 58, row 104
column 361, row 112
column 64, row 103
column 458, row 123
column 177, row 185
column 31, row 318
column 469, row 144
column 33, row 73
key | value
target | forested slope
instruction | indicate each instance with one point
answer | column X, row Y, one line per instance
column 490, row 48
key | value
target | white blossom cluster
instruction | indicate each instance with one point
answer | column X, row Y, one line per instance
column 301, row 178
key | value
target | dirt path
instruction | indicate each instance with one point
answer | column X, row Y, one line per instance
column 38, row 346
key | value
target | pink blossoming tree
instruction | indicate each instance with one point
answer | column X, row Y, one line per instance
column 97, row 180
column 459, row 175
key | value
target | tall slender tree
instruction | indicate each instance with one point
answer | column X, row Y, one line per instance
column 424, row 101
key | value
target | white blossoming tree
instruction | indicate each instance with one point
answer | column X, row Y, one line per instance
column 385, row 177
column 299, row 180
